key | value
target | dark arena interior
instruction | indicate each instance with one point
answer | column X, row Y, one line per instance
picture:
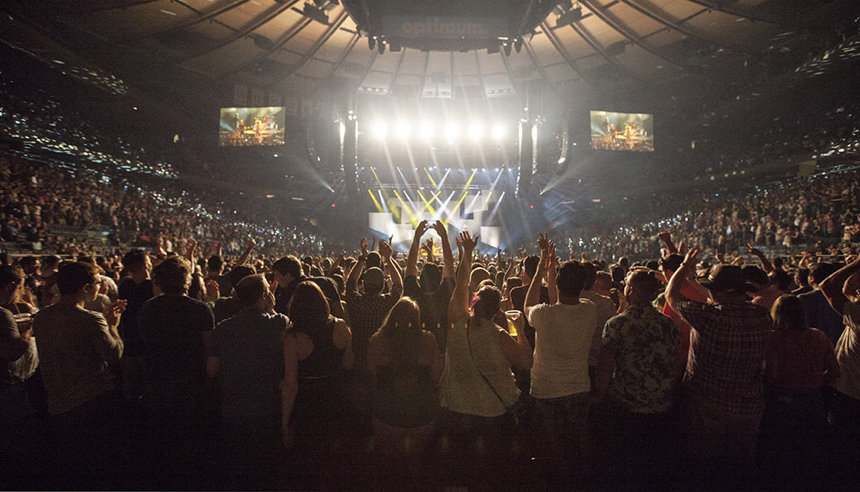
column 438, row 245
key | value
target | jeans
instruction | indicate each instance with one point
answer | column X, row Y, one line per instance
column 563, row 423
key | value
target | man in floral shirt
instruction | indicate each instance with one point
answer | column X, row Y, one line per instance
column 637, row 374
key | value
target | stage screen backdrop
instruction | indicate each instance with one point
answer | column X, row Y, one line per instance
column 244, row 127
column 622, row 131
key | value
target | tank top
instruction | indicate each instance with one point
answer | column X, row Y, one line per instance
column 404, row 396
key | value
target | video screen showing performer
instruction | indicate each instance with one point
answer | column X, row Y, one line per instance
column 622, row 131
column 243, row 127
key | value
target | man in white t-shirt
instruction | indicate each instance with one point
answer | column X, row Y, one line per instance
column 563, row 332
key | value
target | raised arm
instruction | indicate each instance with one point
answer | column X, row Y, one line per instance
column 458, row 308
column 245, row 254
column 412, row 258
column 765, row 263
column 673, row 291
column 833, row 286
column 393, row 270
column 533, row 294
column 352, row 278
column 667, row 240
column 447, row 254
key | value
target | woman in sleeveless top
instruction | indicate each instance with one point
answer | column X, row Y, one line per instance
column 404, row 359
column 477, row 384
column 317, row 350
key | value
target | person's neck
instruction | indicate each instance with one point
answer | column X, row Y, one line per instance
column 570, row 300
column 140, row 276
column 71, row 300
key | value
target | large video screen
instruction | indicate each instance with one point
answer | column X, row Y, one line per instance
column 622, row 131
column 243, row 127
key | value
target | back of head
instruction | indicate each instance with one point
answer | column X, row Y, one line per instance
column 74, row 275
column 788, row 314
column 173, row 275
column 431, row 277
column 237, row 273
column 530, row 264
column 50, row 261
column 374, row 281
column 135, row 260
column 603, row 281
column 401, row 330
column 215, row 264
column 373, row 260
column 288, row 265
column 486, row 302
column 781, row 278
column 644, row 285
column 10, row 274
column 821, row 271
column 308, row 308
column 589, row 272
column 778, row 262
column 671, row 263
column 756, row 276
column 571, row 279
column 477, row 276
column 617, row 274
column 251, row 289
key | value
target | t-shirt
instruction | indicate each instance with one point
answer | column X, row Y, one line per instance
column 796, row 360
column 173, row 326
column 464, row 390
column 135, row 294
column 848, row 352
column 250, row 348
column 75, row 348
column 644, row 344
column 820, row 314
column 8, row 332
column 225, row 307
column 563, row 334
column 605, row 309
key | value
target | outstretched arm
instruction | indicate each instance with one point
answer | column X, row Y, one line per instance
column 673, row 291
column 765, row 263
column 833, row 286
column 412, row 258
column 458, row 308
column 447, row 254
column 393, row 270
column 247, row 253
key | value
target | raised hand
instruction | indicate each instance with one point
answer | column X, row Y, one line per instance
column 542, row 241
column 385, row 250
column 113, row 312
column 692, row 258
column 467, row 242
column 213, row 292
column 373, row 245
column 441, row 230
column 363, row 246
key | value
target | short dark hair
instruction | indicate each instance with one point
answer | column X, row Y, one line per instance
column 135, row 260
column 486, row 302
column 672, row 262
column 431, row 277
column 530, row 264
column 173, row 275
column 756, row 275
column 646, row 283
column 821, row 271
column 571, row 278
column 288, row 265
column 10, row 274
column 237, row 273
column 74, row 275
column 589, row 272
column 250, row 289
column 215, row 264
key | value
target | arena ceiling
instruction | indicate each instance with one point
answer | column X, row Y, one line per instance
column 302, row 47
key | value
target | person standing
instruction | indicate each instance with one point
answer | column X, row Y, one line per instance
column 724, row 386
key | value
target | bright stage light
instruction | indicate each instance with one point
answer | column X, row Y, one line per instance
column 476, row 131
column 427, row 130
column 452, row 132
column 403, row 129
column 498, row 132
column 380, row 130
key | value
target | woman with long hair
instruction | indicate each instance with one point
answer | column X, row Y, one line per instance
column 404, row 360
column 477, row 386
column 317, row 351
column 800, row 363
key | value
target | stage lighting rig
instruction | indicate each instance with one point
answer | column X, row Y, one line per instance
column 569, row 16
column 313, row 12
